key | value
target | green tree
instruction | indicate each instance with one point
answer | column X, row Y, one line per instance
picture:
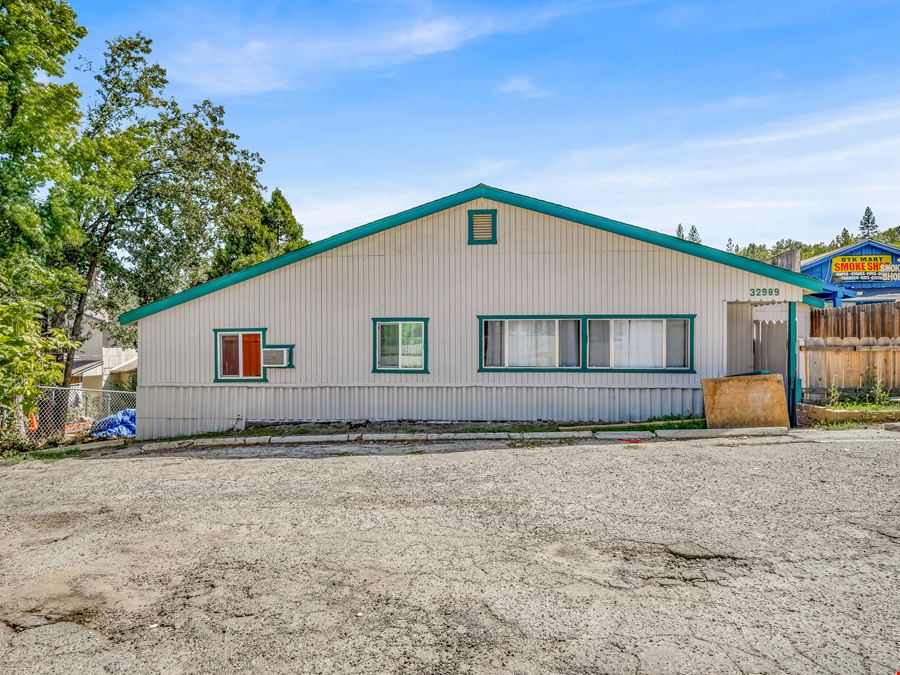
column 694, row 235
column 37, row 116
column 28, row 350
column 150, row 185
column 729, row 245
column 754, row 251
column 783, row 245
column 843, row 239
column 679, row 231
column 38, row 123
column 271, row 231
column 867, row 225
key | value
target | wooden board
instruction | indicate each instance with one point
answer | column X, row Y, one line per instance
column 745, row 401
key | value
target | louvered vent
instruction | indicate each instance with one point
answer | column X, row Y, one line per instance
column 482, row 227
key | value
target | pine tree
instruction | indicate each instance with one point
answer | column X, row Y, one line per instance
column 694, row 234
column 263, row 231
column 843, row 239
column 679, row 231
column 867, row 225
column 729, row 246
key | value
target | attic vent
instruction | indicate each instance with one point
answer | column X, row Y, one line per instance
column 483, row 226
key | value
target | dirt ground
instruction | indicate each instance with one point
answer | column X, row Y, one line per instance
column 743, row 556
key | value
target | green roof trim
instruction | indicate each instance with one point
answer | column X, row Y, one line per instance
column 813, row 301
column 495, row 194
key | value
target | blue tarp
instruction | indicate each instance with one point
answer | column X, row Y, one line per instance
column 119, row 425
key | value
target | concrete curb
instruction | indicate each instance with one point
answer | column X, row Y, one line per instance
column 624, row 435
column 670, row 434
column 678, row 434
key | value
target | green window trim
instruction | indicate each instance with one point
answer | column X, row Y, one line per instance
column 584, row 318
column 263, row 345
column 404, row 319
column 472, row 240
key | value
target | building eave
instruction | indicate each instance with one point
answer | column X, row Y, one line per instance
column 487, row 192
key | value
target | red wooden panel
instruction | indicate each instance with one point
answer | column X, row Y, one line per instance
column 252, row 345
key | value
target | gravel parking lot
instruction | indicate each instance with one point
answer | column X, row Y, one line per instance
column 745, row 556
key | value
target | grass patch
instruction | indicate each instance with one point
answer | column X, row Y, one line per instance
column 538, row 443
column 858, row 405
column 11, row 457
column 661, row 426
column 837, row 426
column 416, row 452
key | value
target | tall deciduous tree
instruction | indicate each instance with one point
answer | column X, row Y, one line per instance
column 150, row 182
column 38, row 118
column 867, row 225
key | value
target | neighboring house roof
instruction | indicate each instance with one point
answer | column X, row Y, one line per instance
column 495, row 194
column 82, row 366
column 848, row 249
column 126, row 367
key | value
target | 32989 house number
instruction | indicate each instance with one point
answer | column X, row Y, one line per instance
column 768, row 292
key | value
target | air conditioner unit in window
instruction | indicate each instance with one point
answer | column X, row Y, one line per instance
column 276, row 357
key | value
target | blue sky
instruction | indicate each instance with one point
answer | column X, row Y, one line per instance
column 754, row 120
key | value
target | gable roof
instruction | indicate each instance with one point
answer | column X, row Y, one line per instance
column 495, row 194
column 848, row 249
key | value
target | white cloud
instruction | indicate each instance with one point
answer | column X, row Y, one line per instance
column 232, row 54
column 522, row 86
column 804, row 177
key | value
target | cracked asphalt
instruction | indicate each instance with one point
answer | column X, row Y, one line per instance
column 777, row 555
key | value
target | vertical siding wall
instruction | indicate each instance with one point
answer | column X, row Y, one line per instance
column 325, row 304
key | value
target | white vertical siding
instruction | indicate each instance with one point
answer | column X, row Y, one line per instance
column 325, row 304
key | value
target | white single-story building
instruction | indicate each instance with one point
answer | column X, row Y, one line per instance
column 483, row 305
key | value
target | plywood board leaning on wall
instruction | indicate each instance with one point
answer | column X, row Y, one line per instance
column 745, row 401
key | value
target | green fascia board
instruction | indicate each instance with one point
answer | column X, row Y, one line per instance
column 487, row 192
column 812, row 301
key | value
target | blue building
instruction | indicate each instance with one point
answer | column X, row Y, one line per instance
column 865, row 272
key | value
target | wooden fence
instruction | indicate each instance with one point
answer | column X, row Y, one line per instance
column 850, row 363
column 859, row 321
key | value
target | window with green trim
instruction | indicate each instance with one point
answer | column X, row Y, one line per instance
column 482, row 226
column 400, row 345
column 242, row 355
column 587, row 343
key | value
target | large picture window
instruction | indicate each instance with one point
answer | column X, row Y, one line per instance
column 587, row 343
column 243, row 355
column 532, row 343
column 400, row 345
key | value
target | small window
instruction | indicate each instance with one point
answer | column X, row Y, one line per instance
column 401, row 345
column 483, row 226
column 243, row 355
column 240, row 355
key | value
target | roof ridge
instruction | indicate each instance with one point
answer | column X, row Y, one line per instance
column 497, row 194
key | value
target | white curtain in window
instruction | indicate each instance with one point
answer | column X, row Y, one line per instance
column 638, row 343
column 598, row 343
column 532, row 343
column 412, row 345
column 569, row 343
column 676, row 343
column 493, row 344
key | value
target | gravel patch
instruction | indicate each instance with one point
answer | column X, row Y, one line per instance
column 753, row 555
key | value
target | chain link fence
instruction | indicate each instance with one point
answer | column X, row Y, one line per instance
column 67, row 411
